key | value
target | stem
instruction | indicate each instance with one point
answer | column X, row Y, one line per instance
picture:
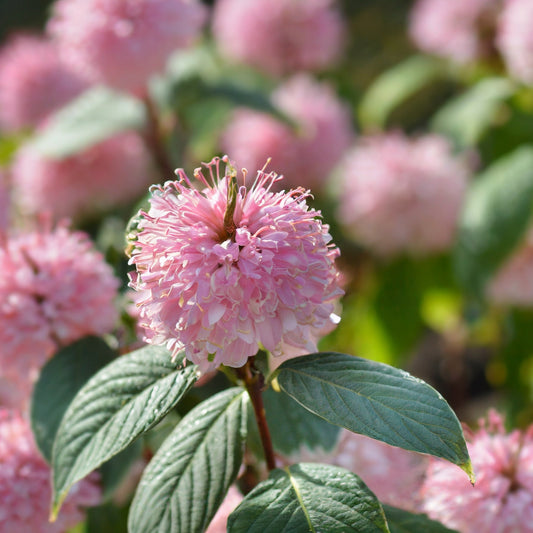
column 154, row 138
column 254, row 383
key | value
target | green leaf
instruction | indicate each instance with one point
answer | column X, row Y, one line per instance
column 188, row 477
column 376, row 400
column 309, row 497
column 496, row 213
column 120, row 403
column 467, row 117
column 401, row 521
column 292, row 426
column 59, row 381
column 94, row 116
column 394, row 86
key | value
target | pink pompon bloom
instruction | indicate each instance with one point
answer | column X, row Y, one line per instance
column 502, row 499
column 461, row 30
column 220, row 520
column 25, row 487
column 111, row 173
column 513, row 282
column 402, row 195
column 229, row 269
column 122, row 43
column 34, row 82
column 279, row 36
column 304, row 153
column 55, row 288
column 515, row 38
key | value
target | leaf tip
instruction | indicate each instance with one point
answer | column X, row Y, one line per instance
column 56, row 506
column 469, row 469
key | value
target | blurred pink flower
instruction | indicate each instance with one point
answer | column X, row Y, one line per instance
column 219, row 289
column 122, row 43
column 113, row 172
column 502, row 499
column 220, row 520
column 55, row 289
column 513, row 282
column 34, row 82
column 515, row 38
column 394, row 475
column 25, row 491
column 279, row 36
column 402, row 195
column 461, row 30
column 304, row 154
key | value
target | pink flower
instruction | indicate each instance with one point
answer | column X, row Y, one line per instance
column 394, row 475
column 123, row 42
column 304, row 154
column 513, row 282
column 402, row 195
column 34, row 82
column 54, row 289
column 219, row 281
column 25, row 492
column 113, row 172
column 279, row 36
column 515, row 38
column 220, row 520
column 502, row 499
column 460, row 30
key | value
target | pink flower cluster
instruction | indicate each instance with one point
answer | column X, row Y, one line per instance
column 25, row 492
column 55, row 288
column 459, row 30
column 229, row 269
column 513, row 283
column 279, row 36
column 402, row 195
column 113, row 172
column 122, row 43
column 305, row 153
column 515, row 38
column 34, row 82
column 501, row 500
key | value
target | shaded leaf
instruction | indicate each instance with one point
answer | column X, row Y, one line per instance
column 59, row 381
column 309, row 497
column 466, row 118
column 401, row 521
column 376, row 400
column 188, row 477
column 394, row 86
column 495, row 216
column 292, row 426
column 120, row 403
column 94, row 116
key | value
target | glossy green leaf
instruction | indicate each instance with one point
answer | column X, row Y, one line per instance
column 59, row 381
column 187, row 479
column 94, row 116
column 401, row 521
column 376, row 400
column 496, row 213
column 293, row 427
column 466, row 118
column 309, row 497
column 120, row 403
column 394, row 86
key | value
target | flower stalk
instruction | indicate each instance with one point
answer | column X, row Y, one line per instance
column 254, row 382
